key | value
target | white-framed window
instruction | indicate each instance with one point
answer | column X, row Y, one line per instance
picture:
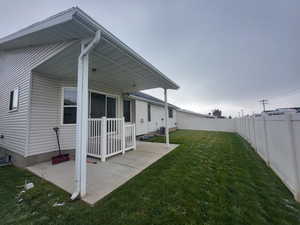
column 69, row 105
column 100, row 104
column 14, row 100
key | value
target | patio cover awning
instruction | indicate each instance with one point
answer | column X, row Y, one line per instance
column 112, row 62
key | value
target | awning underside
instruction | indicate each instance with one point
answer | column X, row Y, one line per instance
column 108, row 64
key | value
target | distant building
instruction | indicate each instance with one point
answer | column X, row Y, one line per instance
column 281, row 111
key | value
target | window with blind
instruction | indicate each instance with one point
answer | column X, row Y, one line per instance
column 99, row 105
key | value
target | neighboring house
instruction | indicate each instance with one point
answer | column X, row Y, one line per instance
column 148, row 113
column 69, row 72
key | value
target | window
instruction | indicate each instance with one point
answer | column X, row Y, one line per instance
column 170, row 112
column 99, row 105
column 14, row 100
column 70, row 106
column 149, row 112
column 127, row 110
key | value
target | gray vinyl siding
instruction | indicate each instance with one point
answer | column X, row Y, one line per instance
column 15, row 72
column 46, row 113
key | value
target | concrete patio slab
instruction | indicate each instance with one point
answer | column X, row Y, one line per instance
column 103, row 177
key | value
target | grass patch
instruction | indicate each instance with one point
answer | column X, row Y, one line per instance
column 211, row 178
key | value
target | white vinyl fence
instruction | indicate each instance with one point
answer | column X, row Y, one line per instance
column 193, row 122
column 276, row 139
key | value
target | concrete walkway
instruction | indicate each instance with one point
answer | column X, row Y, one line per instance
column 103, row 177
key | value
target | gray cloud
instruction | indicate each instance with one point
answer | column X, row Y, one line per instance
column 222, row 53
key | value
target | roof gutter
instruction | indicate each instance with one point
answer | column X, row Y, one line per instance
column 78, row 158
column 150, row 101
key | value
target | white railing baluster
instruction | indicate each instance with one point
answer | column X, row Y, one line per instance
column 97, row 138
column 94, row 136
column 109, row 136
column 115, row 132
column 104, row 138
column 123, row 141
column 134, row 137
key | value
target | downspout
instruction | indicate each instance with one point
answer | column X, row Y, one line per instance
column 84, row 51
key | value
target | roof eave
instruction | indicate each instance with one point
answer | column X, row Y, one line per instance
column 150, row 101
column 92, row 26
column 81, row 15
column 62, row 17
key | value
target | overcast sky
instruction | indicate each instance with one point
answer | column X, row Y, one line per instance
column 224, row 54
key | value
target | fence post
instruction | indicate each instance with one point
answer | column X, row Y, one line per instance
column 103, row 138
column 291, row 133
column 266, row 140
column 243, row 126
column 246, row 128
column 254, row 134
column 123, row 135
column 249, row 130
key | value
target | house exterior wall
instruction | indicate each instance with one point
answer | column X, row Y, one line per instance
column 46, row 106
column 143, row 126
column 141, row 117
column 15, row 72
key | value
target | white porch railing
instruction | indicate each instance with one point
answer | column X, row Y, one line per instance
column 108, row 137
column 130, row 140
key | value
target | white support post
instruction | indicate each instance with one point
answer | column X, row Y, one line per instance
column 84, row 123
column 103, row 138
column 78, row 128
column 266, row 140
column 291, row 134
column 123, row 136
column 166, row 118
column 82, row 115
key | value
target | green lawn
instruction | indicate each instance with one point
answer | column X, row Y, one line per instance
column 211, row 178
